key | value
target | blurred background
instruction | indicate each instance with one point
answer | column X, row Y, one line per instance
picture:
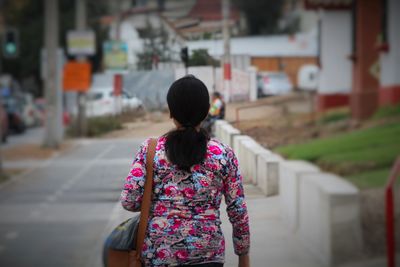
column 83, row 82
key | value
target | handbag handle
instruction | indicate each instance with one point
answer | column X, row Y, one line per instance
column 146, row 201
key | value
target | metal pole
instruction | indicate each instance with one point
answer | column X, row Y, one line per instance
column 80, row 24
column 227, row 56
column 118, row 77
column 51, row 43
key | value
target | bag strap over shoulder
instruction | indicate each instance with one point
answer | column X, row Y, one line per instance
column 146, row 201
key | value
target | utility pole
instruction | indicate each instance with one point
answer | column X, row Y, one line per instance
column 226, row 60
column 51, row 139
column 80, row 24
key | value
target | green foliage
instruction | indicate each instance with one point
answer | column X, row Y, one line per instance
column 200, row 57
column 28, row 17
column 156, row 46
column 102, row 125
column 335, row 116
column 262, row 16
column 98, row 126
column 385, row 112
column 3, row 177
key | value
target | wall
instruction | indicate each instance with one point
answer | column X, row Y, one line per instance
column 205, row 73
column 290, row 65
column 150, row 86
column 390, row 61
column 336, row 68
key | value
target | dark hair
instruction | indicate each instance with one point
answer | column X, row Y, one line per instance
column 217, row 94
column 188, row 102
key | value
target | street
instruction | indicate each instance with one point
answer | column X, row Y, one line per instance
column 55, row 214
column 59, row 213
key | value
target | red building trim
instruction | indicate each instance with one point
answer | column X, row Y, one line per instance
column 328, row 101
column 327, row 5
column 389, row 95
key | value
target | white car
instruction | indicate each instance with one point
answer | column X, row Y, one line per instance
column 103, row 103
column 273, row 83
column 307, row 77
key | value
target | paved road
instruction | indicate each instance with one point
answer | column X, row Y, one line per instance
column 30, row 136
column 57, row 214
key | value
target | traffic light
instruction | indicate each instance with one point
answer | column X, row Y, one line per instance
column 10, row 43
column 185, row 55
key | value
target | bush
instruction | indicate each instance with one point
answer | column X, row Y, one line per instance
column 335, row 116
column 389, row 111
column 102, row 125
column 98, row 126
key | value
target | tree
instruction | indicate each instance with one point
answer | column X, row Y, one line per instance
column 200, row 57
column 28, row 17
column 262, row 15
column 155, row 48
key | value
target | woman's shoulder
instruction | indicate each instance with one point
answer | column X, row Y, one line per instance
column 216, row 144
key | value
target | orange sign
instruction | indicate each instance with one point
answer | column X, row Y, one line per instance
column 77, row 76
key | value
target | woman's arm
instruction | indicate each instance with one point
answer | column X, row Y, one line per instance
column 132, row 193
column 244, row 261
column 236, row 206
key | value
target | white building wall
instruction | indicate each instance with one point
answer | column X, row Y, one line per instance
column 130, row 35
column 336, row 72
column 390, row 62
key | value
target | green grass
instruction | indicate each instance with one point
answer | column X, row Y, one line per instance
column 364, row 156
column 344, row 143
column 371, row 179
column 385, row 112
column 335, row 116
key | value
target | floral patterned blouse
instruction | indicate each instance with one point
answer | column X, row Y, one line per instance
column 184, row 226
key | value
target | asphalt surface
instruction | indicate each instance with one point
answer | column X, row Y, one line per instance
column 58, row 213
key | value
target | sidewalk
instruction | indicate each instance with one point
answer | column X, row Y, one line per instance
column 272, row 245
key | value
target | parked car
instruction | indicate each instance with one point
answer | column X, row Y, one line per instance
column 103, row 102
column 307, row 77
column 13, row 103
column 14, row 109
column 4, row 124
column 273, row 83
column 30, row 112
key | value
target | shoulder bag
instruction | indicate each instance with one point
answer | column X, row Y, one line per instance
column 123, row 247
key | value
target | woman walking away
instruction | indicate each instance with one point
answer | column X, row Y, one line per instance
column 191, row 174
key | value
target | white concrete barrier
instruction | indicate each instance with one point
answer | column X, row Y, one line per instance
column 330, row 218
column 268, row 173
column 227, row 134
column 251, row 150
column 236, row 140
column 217, row 128
column 289, row 189
column 243, row 158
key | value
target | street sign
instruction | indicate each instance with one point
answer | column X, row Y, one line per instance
column 81, row 43
column 77, row 76
column 115, row 55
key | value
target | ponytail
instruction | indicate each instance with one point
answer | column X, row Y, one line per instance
column 186, row 147
column 188, row 102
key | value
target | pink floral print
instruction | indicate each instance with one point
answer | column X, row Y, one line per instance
column 184, row 226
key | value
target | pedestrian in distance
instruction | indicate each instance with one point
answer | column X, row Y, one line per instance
column 191, row 174
column 216, row 112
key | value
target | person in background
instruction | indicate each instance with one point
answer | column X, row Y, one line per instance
column 217, row 111
column 192, row 173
